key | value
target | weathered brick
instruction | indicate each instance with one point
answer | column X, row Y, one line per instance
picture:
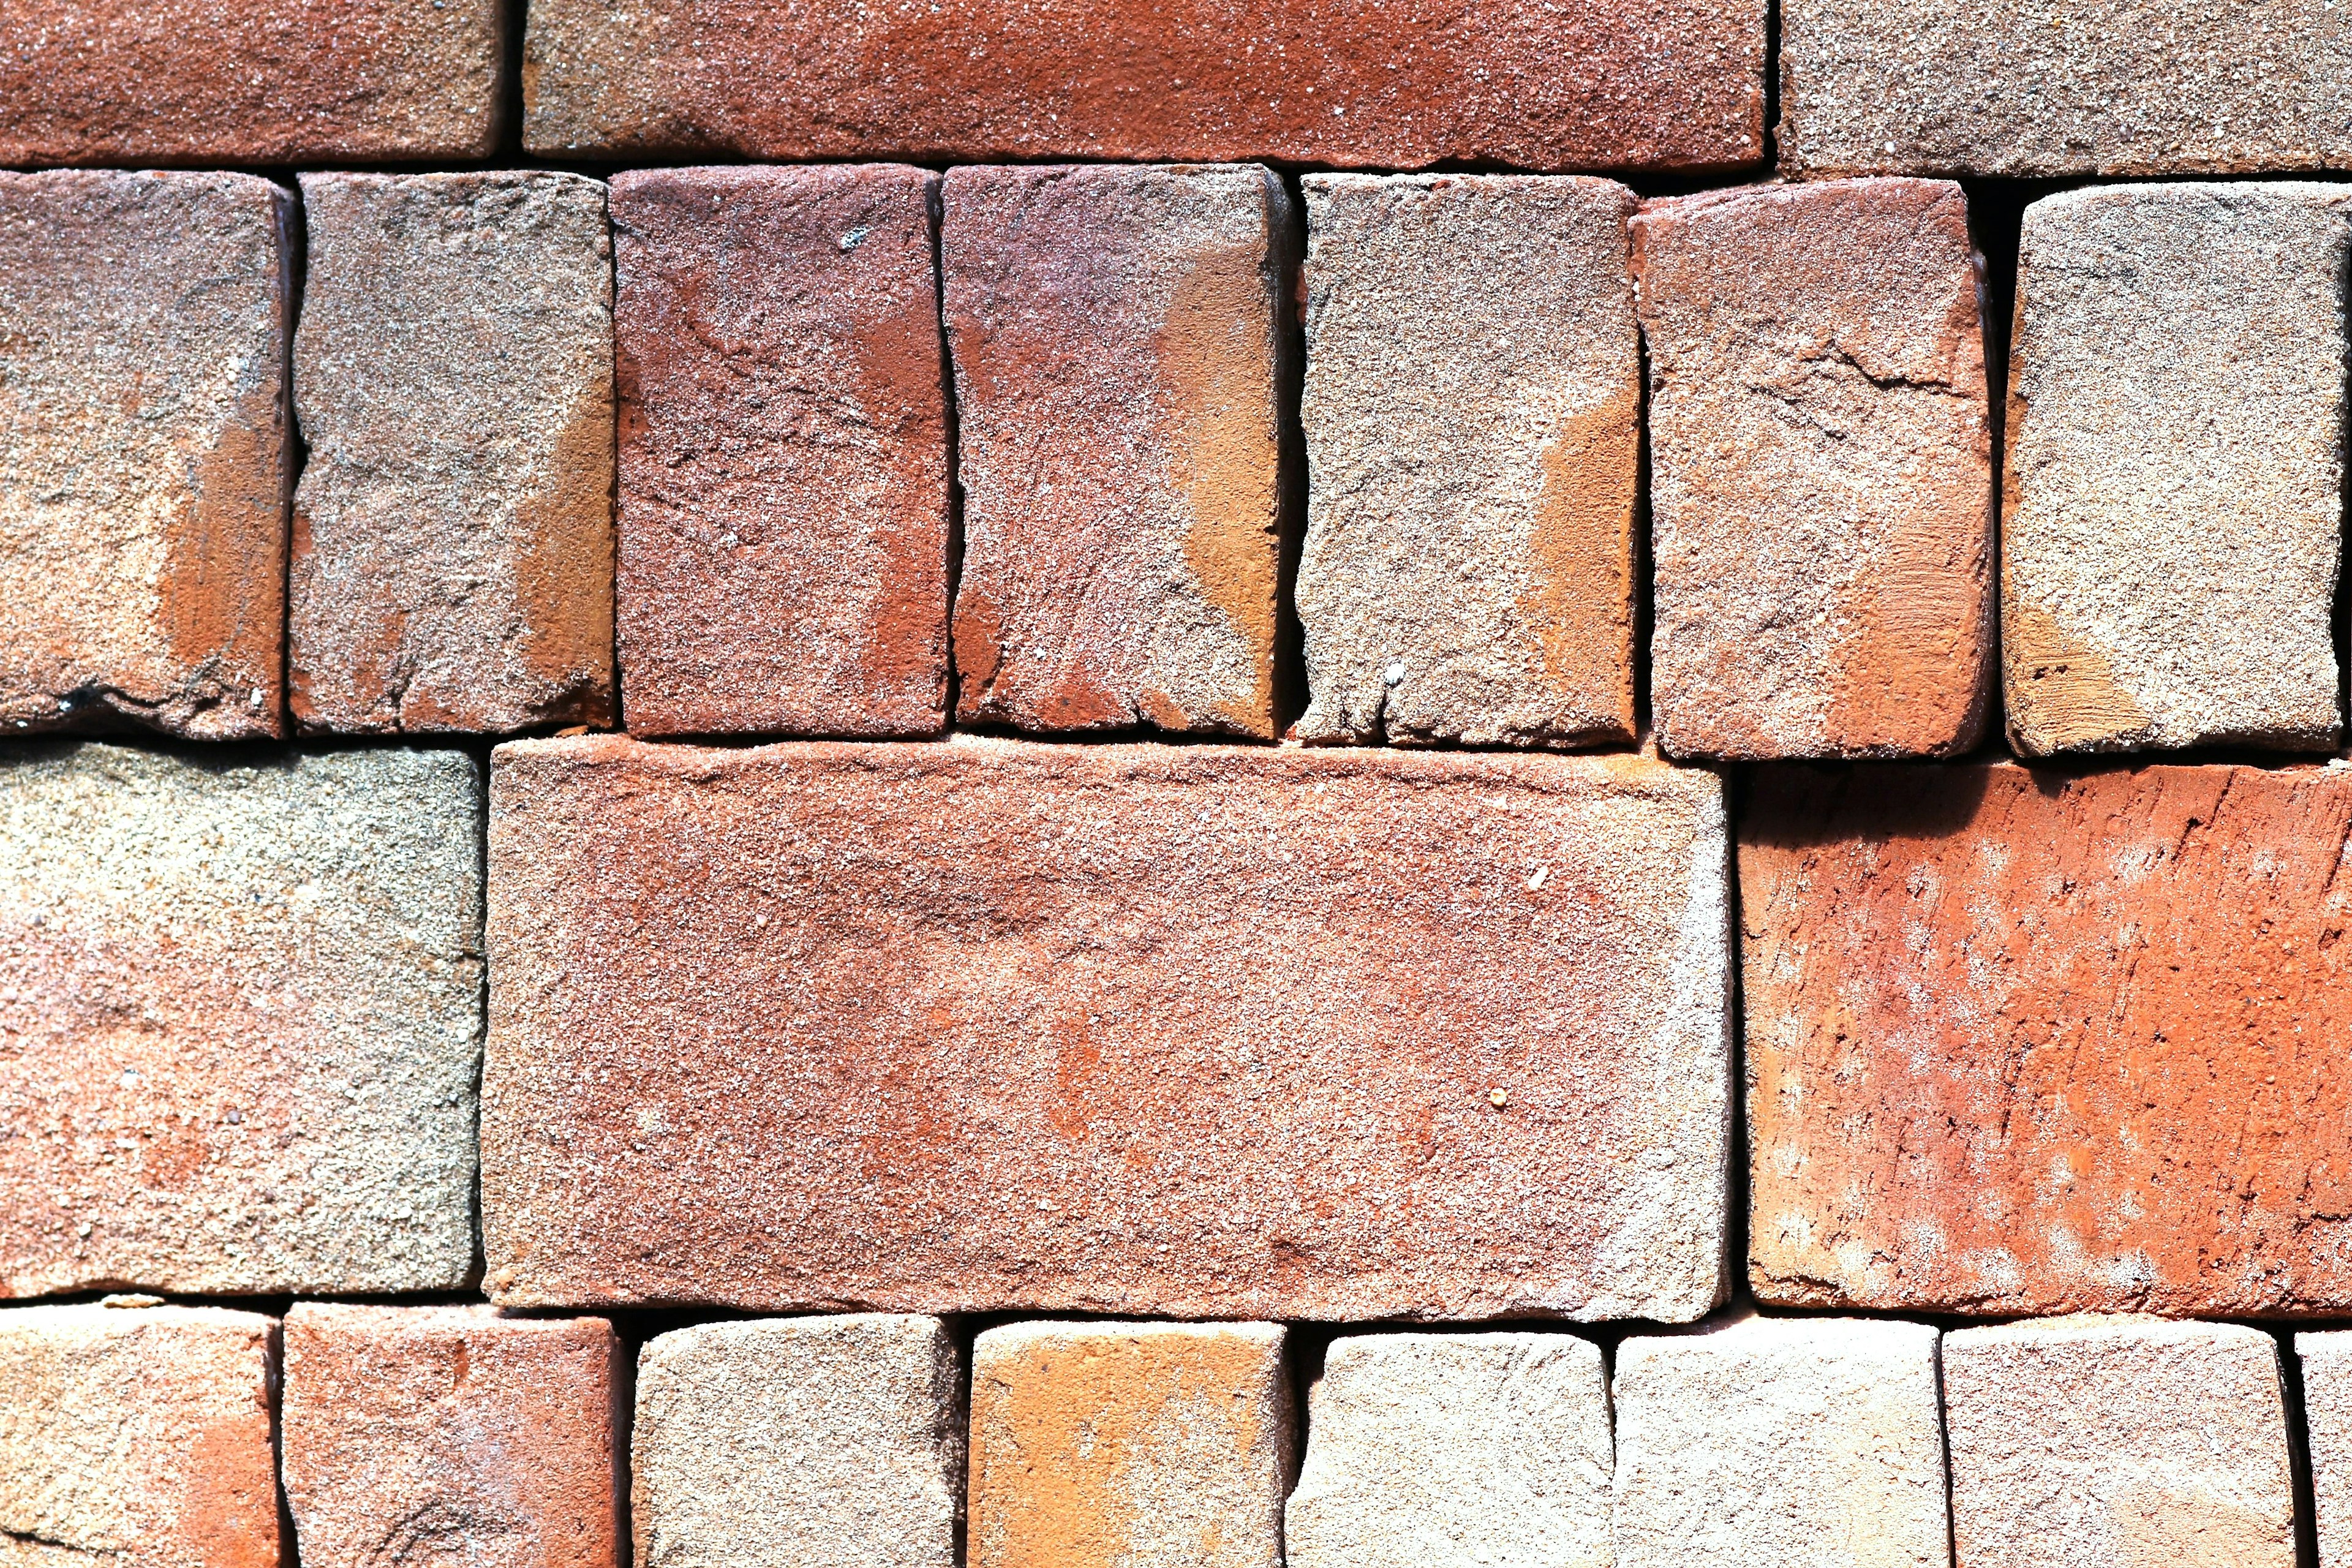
column 277, row 81
column 2027, row 1041
column 239, row 1020
column 2022, row 87
column 1129, row 1446
column 1586, row 84
column 144, row 451
column 452, row 1433
column 1472, row 420
column 783, row 452
column 1821, row 471
column 139, row 1437
column 2326, row 1362
column 1449, row 1450
column 1788, row 1443
column 800, row 1443
column 2175, row 469
column 2118, row 1442
column 453, row 532
column 1119, row 370
column 1192, row 1031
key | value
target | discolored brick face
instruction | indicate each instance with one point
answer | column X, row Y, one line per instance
column 1193, row 1031
column 144, row 459
column 2025, row 1041
column 783, row 452
column 1587, row 84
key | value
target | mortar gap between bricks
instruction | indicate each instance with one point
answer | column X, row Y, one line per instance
column 1773, row 21
column 2298, row 1447
column 1290, row 694
column 954, row 437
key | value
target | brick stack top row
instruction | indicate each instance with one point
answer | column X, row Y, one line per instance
column 1947, row 86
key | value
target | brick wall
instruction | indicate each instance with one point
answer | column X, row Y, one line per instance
column 1093, row 786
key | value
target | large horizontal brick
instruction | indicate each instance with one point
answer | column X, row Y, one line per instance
column 239, row 1020
column 2118, row 1442
column 1120, row 371
column 256, row 81
column 1473, row 422
column 1455, row 1451
column 783, row 452
column 137, row 1437
column 452, row 529
column 2175, row 469
column 2327, row 1362
column 800, row 1443
column 1821, row 471
column 2029, row 1041
column 2022, row 87
column 1197, row 1031
column 143, row 450
column 452, row 1432
column 1129, row 1446
column 1584, row 84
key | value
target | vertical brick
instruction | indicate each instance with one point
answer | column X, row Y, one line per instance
column 452, row 1433
column 258, row 81
column 1449, row 1450
column 2175, row 469
column 137, row 1437
column 783, row 452
column 1129, row 1446
column 2327, row 1426
column 241, row 1002
column 2121, row 1442
column 453, row 373
column 1821, row 471
column 1788, row 1443
column 1118, row 368
column 800, row 1443
column 1473, row 421
column 143, row 453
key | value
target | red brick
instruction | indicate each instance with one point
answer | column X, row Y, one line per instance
column 1121, row 368
column 783, row 451
column 2026, row 1042
column 262, row 81
column 1580, row 84
column 1193, row 1031
column 410, row 1431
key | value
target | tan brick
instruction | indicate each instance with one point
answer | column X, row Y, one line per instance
column 1821, row 471
column 2326, row 1361
column 137, row 1437
column 452, row 530
column 452, row 1433
column 1129, row 1446
column 2025, row 1041
column 143, row 450
column 1473, row 421
column 1192, row 1031
column 783, row 452
column 1119, row 370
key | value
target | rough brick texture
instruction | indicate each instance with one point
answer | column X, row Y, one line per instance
column 240, row 1007
column 2022, row 1041
column 259, row 81
column 2118, row 1442
column 452, row 530
column 144, row 451
column 1804, row 1443
column 1129, row 1446
column 800, row 1443
column 452, row 1433
column 783, row 452
column 1455, row 1451
column 1118, row 374
column 1196, row 1031
column 2327, row 1426
column 1821, row 479
column 2175, row 469
column 1587, row 84
column 139, row 1438
column 1473, row 421
column 2026, row 89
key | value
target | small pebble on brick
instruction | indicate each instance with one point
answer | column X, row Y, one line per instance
column 2326, row 1361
